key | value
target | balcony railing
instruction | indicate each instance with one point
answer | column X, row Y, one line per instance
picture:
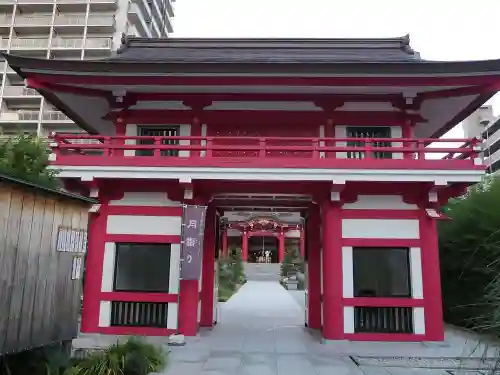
column 54, row 116
column 79, row 43
column 38, row 20
column 22, row 115
column 69, row 20
column 268, row 151
column 34, row 1
column 19, row 91
column 28, row 43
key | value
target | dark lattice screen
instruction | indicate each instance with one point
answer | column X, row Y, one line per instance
column 159, row 132
column 369, row 132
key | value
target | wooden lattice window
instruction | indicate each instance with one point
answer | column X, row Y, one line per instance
column 172, row 131
column 369, row 132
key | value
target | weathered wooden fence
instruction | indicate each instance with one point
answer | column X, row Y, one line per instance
column 42, row 243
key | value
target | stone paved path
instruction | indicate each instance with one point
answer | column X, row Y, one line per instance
column 261, row 332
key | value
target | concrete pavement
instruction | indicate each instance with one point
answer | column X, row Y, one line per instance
column 261, row 331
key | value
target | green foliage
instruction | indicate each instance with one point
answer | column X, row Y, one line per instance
column 231, row 273
column 292, row 261
column 47, row 360
column 237, row 265
column 26, row 157
column 134, row 357
column 470, row 258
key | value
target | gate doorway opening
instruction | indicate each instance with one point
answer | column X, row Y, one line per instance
column 263, row 249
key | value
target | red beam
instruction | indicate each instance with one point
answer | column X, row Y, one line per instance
column 266, row 97
column 260, row 203
column 271, row 117
column 130, row 80
column 383, row 302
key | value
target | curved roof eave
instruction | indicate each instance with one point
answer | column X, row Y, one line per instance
column 383, row 68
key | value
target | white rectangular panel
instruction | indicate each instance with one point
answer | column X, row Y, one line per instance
column 380, row 228
column 144, row 225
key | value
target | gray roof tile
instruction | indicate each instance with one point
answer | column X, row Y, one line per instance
column 173, row 50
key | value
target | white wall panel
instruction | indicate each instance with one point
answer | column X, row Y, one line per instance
column 418, row 321
column 417, row 289
column 108, row 267
column 144, row 225
column 105, row 314
column 379, row 202
column 347, row 273
column 380, row 228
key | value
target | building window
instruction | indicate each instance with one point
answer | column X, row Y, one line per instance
column 369, row 132
column 381, row 272
column 172, row 131
column 142, row 267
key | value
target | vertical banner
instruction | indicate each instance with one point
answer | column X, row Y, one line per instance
column 193, row 226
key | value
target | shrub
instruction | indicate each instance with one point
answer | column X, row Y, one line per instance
column 292, row 261
column 470, row 259
column 26, row 157
column 134, row 357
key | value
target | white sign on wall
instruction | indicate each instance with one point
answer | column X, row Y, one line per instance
column 71, row 240
column 76, row 269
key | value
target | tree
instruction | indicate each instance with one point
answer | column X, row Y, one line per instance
column 237, row 266
column 470, row 258
column 26, row 157
column 291, row 261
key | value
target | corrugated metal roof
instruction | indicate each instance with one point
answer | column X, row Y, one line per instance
column 31, row 185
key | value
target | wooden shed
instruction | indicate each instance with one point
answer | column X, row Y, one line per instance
column 43, row 239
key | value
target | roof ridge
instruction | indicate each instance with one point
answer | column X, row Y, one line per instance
column 390, row 43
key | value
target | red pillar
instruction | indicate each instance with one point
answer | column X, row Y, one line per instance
column 333, row 321
column 121, row 130
column 407, row 132
column 431, row 278
column 208, row 273
column 93, row 270
column 313, row 268
column 301, row 243
column 224, row 242
column 188, row 307
column 281, row 253
column 244, row 247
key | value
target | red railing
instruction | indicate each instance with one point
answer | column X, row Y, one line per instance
column 76, row 148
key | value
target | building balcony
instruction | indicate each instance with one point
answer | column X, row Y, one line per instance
column 20, row 92
column 30, row 116
column 21, row 96
column 93, row 21
column 35, row 44
column 21, row 116
column 33, row 21
column 55, row 117
column 309, row 155
column 32, row 6
column 138, row 19
column 76, row 43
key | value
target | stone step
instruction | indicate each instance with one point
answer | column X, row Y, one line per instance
column 262, row 271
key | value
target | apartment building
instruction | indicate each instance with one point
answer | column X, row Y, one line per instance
column 483, row 124
column 65, row 29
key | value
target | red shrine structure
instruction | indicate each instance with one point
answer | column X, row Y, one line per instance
column 338, row 130
column 263, row 226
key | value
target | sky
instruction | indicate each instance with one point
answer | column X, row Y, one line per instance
column 438, row 29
